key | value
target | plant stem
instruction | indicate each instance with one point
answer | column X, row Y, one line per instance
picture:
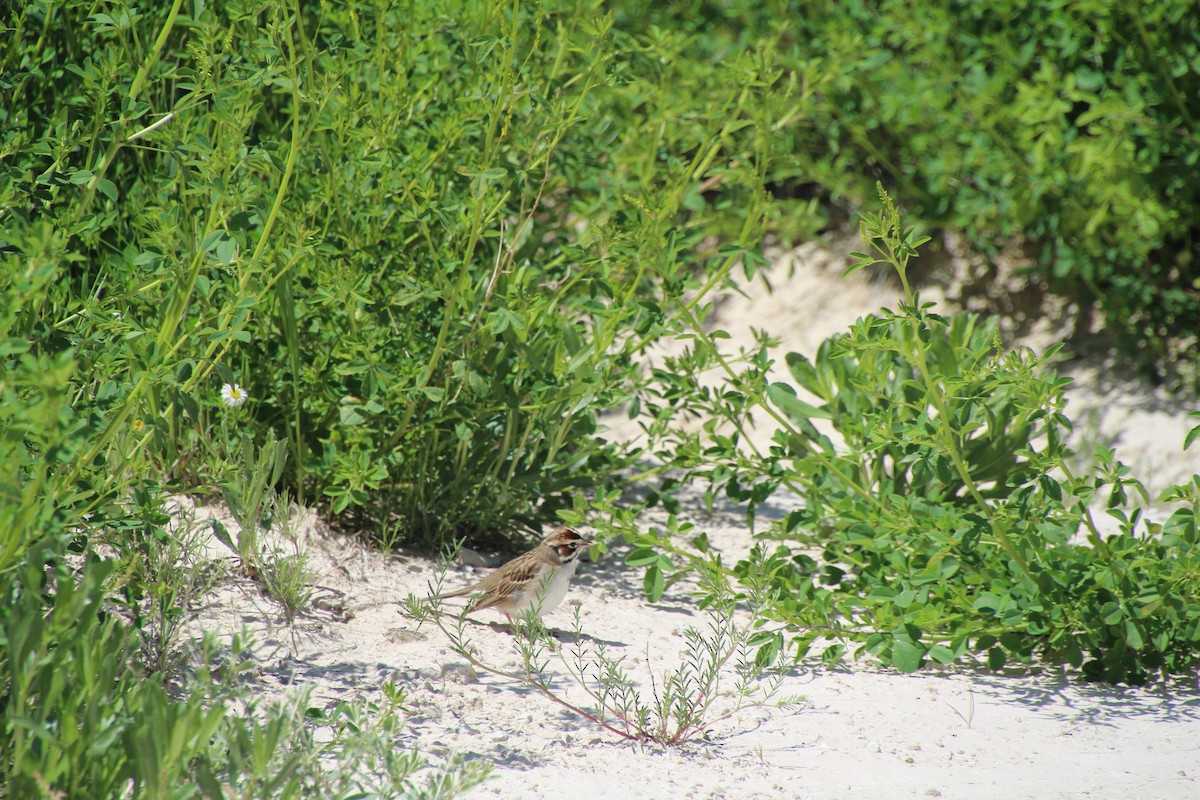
column 135, row 89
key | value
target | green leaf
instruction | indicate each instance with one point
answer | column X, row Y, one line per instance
column 654, row 584
column 784, row 397
column 11, row 347
column 942, row 654
column 222, row 534
column 906, row 656
column 641, row 557
column 861, row 261
column 1191, row 437
column 997, row 658
column 805, row 374
column 769, row 645
column 1133, row 636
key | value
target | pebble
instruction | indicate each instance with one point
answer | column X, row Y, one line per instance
column 473, row 558
column 459, row 673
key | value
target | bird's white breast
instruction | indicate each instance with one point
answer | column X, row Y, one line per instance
column 548, row 589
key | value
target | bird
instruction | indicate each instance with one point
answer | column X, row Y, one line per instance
column 536, row 579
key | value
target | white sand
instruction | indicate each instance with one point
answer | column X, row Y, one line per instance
column 862, row 731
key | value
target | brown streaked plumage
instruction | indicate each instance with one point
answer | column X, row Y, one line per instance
column 536, row 579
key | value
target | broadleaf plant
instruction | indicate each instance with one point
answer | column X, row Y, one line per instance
column 936, row 516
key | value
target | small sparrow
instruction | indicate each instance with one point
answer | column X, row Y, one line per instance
column 536, row 579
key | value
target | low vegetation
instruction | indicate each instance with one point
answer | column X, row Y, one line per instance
column 715, row 675
column 393, row 261
column 940, row 517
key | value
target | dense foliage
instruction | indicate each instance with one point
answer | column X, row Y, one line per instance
column 1070, row 125
column 430, row 242
column 938, row 514
column 425, row 242
column 420, row 238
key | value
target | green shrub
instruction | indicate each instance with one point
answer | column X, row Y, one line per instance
column 493, row 221
column 81, row 719
column 78, row 716
column 1071, row 126
column 428, row 241
column 424, row 241
column 430, row 244
column 938, row 514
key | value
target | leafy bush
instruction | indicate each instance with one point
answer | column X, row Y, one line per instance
column 425, row 240
column 79, row 718
column 493, row 218
column 432, row 242
column 85, row 711
column 82, row 720
column 1071, row 126
column 940, row 515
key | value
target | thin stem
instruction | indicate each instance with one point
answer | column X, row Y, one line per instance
column 135, row 89
column 456, row 641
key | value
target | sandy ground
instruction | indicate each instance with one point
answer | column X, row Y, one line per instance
column 860, row 731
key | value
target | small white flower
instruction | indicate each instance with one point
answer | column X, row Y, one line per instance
column 233, row 395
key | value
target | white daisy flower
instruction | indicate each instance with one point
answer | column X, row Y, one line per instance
column 233, row 395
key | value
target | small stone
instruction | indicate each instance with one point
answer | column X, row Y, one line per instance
column 472, row 558
column 459, row 673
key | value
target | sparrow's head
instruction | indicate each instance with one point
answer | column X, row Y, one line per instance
column 565, row 544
